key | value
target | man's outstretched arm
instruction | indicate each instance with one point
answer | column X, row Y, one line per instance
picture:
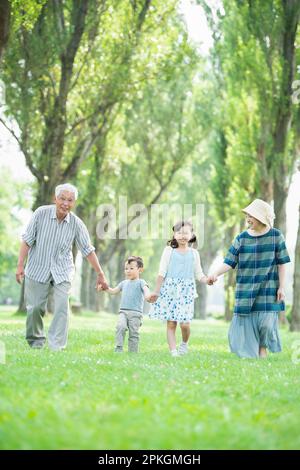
column 101, row 279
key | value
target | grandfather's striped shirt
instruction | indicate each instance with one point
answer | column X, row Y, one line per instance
column 257, row 280
column 51, row 244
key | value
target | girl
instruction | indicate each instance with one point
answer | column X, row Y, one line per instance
column 175, row 287
column 260, row 254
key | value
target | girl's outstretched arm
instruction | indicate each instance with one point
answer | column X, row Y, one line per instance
column 110, row 290
column 199, row 274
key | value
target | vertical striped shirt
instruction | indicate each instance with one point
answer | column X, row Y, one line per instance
column 51, row 242
column 257, row 280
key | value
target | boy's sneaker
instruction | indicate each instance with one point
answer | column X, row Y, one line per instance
column 174, row 353
column 183, row 349
column 37, row 346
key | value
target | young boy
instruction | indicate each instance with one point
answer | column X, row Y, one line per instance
column 134, row 291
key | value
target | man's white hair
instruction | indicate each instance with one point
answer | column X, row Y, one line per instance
column 66, row 187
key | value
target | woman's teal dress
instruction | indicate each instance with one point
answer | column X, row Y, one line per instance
column 255, row 320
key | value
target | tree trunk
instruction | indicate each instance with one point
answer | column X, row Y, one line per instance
column 93, row 294
column 207, row 255
column 4, row 24
column 100, row 302
column 229, row 285
column 85, row 280
column 295, row 316
column 282, row 171
column 265, row 178
column 280, row 197
column 117, row 268
column 201, row 301
column 22, row 305
column 229, row 278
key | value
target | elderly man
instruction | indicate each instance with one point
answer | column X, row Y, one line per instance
column 48, row 242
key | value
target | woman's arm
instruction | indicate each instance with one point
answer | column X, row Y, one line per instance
column 224, row 268
column 281, row 274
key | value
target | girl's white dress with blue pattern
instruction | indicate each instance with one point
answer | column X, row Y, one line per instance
column 178, row 292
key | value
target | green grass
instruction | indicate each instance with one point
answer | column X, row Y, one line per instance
column 88, row 397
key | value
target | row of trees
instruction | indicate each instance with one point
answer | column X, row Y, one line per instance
column 112, row 96
column 257, row 126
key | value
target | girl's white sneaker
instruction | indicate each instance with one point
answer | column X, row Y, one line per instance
column 183, row 349
column 174, row 353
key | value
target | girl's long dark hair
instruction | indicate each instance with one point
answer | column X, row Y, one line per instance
column 192, row 242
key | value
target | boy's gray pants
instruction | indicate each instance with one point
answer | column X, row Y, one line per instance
column 128, row 320
column 36, row 295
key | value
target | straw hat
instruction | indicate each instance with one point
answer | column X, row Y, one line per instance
column 261, row 211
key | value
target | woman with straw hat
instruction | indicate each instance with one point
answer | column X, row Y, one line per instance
column 260, row 255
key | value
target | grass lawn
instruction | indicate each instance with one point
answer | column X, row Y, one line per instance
column 88, row 397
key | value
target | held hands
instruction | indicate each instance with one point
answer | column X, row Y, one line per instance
column 101, row 283
column 100, row 288
column 152, row 297
column 211, row 279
